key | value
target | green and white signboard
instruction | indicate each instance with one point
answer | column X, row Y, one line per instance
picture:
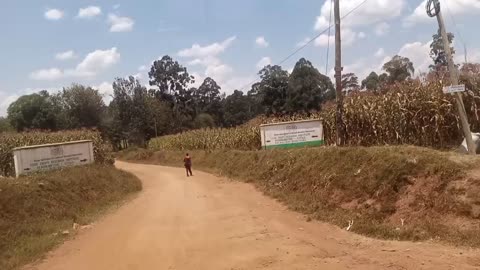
column 292, row 134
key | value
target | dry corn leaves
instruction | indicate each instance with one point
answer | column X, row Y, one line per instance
column 409, row 113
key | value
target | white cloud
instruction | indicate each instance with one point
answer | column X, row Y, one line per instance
column 142, row 68
column 261, row 42
column 380, row 53
column 51, row 74
column 382, row 29
column 117, row 6
column 5, row 101
column 214, row 49
column 219, row 72
column 362, row 35
column 237, row 83
column 207, row 56
column 265, row 61
column 54, row 14
column 303, row 42
column 373, row 11
column 67, row 55
column 89, row 12
column 106, row 90
column 454, row 7
column 120, row 24
column 472, row 57
column 207, row 61
column 96, row 61
column 418, row 53
column 348, row 38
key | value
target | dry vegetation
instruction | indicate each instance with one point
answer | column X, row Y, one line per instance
column 8, row 141
column 34, row 210
column 408, row 113
column 376, row 187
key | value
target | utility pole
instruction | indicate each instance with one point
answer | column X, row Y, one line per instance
column 433, row 9
column 338, row 76
column 465, row 49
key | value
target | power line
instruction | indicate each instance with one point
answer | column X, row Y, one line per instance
column 328, row 46
column 454, row 24
column 308, row 42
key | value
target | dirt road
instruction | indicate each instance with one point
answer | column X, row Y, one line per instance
column 211, row 223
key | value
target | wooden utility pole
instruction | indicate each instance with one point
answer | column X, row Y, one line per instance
column 433, row 9
column 338, row 76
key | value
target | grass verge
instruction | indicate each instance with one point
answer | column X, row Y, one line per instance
column 36, row 209
column 401, row 193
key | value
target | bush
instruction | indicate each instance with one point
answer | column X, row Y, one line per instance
column 35, row 209
column 8, row 141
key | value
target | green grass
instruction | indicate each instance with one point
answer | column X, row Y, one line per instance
column 374, row 186
column 35, row 209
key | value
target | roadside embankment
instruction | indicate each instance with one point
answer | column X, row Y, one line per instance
column 402, row 193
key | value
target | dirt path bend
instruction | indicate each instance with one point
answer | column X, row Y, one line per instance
column 206, row 222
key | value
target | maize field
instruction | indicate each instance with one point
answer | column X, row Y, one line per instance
column 412, row 113
column 8, row 141
column 242, row 138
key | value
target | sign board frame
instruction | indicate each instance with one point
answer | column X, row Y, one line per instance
column 454, row 89
column 292, row 134
column 45, row 157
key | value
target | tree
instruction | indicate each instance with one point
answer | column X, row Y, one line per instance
column 208, row 99
column 437, row 51
column 172, row 81
column 307, row 88
column 5, row 125
column 272, row 89
column 204, row 120
column 136, row 113
column 373, row 82
column 399, row 69
column 350, row 82
column 35, row 111
column 237, row 109
column 169, row 76
column 83, row 106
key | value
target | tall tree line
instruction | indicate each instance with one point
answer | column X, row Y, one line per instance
column 171, row 104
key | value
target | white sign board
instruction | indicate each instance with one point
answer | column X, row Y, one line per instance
column 454, row 89
column 292, row 134
column 51, row 156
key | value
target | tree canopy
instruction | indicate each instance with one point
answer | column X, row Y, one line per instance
column 399, row 69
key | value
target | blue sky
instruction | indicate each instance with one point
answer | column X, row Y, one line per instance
column 52, row 44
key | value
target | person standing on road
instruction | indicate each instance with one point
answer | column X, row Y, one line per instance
column 187, row 161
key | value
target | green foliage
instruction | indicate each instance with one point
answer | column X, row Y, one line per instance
column 208, row 99
column 437, row 50
column 169, row 76
column 399, row 69
column 238, row 109
column 373, row 82
column 307, row 88
column 204, row 120
column 135, row 114
column 8, row 141
column 35, row 111
column 5, row 125
column 350, row 82
column 272, row 89
column 83, row 107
